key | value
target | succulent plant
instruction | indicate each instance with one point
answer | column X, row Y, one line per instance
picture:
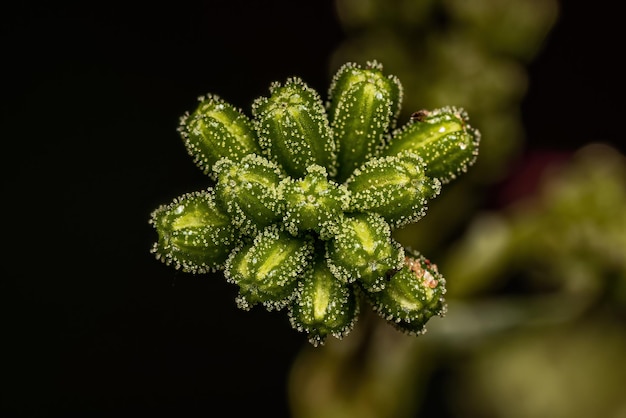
column 305, row 195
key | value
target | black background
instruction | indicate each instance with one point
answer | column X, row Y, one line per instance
column 92, row 324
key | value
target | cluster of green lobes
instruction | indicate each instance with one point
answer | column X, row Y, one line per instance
column 306, row 195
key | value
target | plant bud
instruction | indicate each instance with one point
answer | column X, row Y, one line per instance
column 324, row 305
column 412, row 296
column 442, row 137
column 293, row 128
column 364, row 250
column 268, row 269
column 396, row 188
column 313, row 203
column 248, row 190
column 195, row 235
column 363, row 105
column 214, row 130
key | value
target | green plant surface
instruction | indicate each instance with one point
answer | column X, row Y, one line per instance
column 305, row 195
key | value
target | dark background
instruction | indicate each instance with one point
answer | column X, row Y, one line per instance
column 92, row 324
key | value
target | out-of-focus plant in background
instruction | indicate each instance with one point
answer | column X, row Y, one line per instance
column 536, row 287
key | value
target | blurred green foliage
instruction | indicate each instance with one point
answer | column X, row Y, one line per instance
column 536, row 289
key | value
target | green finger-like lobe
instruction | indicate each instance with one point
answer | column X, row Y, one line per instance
column 314, row 203
column 216, row 129
column 442, row 137
column 248, row 189
column 363, row 250
column 267, row 270
column 194, row 234
column 324, row 305
column 412, row 296
column 293, row 128
column 395, row 187
column 363, row 105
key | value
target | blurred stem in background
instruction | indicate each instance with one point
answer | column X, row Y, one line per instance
column 536, row 289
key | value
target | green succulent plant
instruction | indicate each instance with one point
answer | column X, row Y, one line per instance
column 305, row 194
